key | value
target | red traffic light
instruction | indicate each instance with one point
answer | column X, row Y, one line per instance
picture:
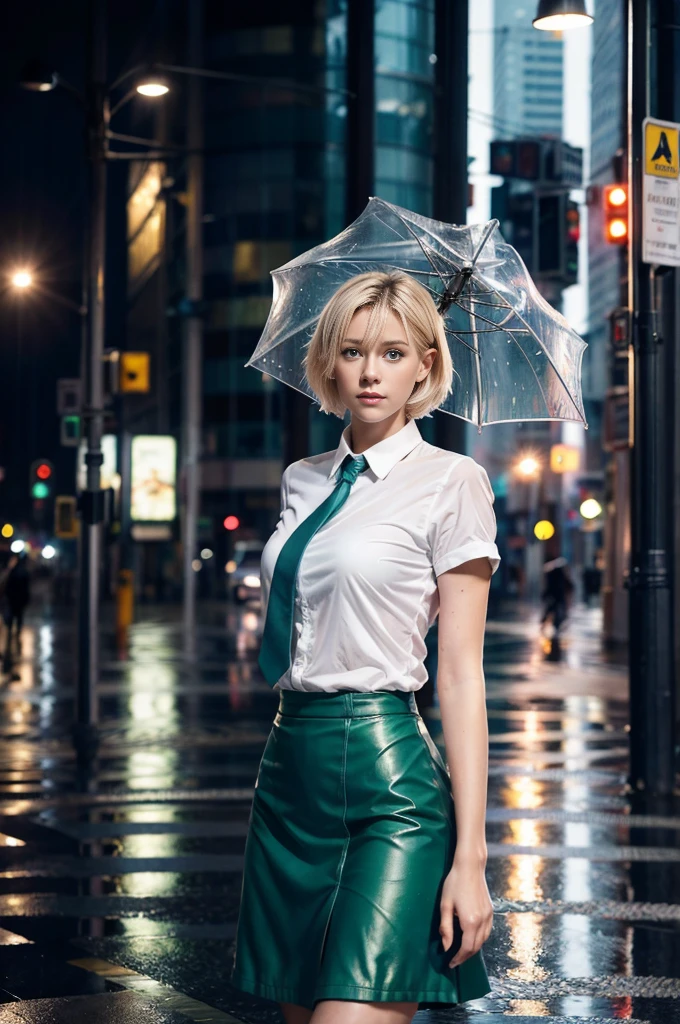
column 615, row 209
column 573, row 224
column 43, row 471
column 232, row 523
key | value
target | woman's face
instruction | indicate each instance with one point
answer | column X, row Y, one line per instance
column 390, row 369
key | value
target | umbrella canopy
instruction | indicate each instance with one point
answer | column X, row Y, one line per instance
column 514, row 356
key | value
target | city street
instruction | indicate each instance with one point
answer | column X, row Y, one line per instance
column 119, row 893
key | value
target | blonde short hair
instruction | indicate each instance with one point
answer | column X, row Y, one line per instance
column 401, row 294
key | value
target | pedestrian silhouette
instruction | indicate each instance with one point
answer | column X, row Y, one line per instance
column 557, row 592
column 663, row 149
column 15, row 597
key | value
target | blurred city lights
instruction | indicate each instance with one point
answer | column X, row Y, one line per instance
column 197, row 565
column 230, row 566
column 251, row 581
column 7, row 530
column 544, row 529
column 590, row 508
column 49, row 551
column 22, row 279
column 206, row 553
column 231, row 523
column 17, row 546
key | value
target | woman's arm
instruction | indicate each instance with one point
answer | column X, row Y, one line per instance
column 464, row 594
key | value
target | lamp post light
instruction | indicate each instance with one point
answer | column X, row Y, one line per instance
column 21, row 279
column 557, row 15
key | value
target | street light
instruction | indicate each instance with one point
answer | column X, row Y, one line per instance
column 556, row 15
column 38, row 78
column 152, row 86
column 528, row 467
column 22, row 279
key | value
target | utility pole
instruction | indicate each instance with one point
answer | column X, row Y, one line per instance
column 650, row 606
column 193, row 338
column 451, row 25
column 85, row 731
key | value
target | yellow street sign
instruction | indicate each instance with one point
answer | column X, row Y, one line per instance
column 134, row 371
column 564, row 458
column 661, row 150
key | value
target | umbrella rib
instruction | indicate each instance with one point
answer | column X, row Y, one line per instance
column 499, row 327
column 532, row 332
column 423, row 249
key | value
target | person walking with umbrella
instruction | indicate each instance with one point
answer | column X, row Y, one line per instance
column 364, row 894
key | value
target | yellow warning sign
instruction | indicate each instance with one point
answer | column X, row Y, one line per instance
column 661, row 149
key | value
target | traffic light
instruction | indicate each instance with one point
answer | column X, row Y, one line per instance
column 558, row 233
column 572, row 234
column 41, row 478
column 615, row 210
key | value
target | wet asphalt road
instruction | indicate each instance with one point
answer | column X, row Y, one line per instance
column 119, row 893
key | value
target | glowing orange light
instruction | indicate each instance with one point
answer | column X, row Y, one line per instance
column 232, row 523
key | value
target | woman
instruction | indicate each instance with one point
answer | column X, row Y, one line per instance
column 364, row 894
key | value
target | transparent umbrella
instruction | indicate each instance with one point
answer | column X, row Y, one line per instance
column 514, row 356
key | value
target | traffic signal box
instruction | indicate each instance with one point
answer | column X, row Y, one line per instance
column 41, row 479
column 615, row 210
column 545, row 230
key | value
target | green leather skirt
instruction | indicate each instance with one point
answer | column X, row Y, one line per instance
column 351, row 835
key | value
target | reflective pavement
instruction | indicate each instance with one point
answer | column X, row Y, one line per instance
column 119, row 893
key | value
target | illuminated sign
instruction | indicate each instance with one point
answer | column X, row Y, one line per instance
column 154, row 474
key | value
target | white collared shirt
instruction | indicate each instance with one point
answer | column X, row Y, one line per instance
column 367, row 581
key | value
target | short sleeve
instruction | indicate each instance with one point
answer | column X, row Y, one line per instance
column 463, row 522
column 284, row 491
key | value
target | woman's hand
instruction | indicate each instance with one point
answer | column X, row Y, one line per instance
column 466, row 895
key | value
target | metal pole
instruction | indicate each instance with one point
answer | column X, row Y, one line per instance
column 92, row 512
column 360, row 139
column 193, row 350
column 650, row 622
column 450, row 181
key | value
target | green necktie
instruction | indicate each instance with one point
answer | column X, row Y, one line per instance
column 274, row 656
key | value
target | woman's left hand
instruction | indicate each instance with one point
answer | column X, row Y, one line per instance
column 466, row 896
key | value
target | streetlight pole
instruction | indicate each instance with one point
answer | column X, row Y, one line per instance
column 92, row 510
column 193, row 339
column 650, row 606
column 450, row 170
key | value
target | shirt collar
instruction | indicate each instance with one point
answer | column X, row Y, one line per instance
column 381, row 457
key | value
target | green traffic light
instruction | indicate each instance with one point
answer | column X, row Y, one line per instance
column 40, row 490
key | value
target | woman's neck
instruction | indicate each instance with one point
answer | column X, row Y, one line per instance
column 365, row 435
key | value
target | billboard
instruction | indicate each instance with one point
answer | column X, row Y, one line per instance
column 153, row 479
